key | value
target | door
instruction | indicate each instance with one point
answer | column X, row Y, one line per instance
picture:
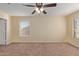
column 2, row 31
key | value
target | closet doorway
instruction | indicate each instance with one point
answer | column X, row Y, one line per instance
column 2, row 31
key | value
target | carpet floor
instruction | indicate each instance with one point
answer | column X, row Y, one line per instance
column 39, row 49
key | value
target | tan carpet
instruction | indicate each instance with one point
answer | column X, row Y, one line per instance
column 39, row 49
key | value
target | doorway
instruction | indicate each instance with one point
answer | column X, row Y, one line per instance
column 2, row 31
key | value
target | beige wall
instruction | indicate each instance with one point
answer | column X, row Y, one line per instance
column 42, row 29
column 70, row 37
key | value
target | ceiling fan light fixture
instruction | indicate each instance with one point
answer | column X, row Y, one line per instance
column 41, row 9
column 38, row 10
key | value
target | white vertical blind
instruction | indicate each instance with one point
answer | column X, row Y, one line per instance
column 76, row 27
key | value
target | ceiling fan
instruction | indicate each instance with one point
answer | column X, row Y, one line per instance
column 39, row 7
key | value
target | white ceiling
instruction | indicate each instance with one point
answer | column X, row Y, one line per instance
column 17, row 9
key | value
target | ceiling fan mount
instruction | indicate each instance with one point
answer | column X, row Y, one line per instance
column 40, row 7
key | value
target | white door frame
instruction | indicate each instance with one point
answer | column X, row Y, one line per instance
column 5, row 22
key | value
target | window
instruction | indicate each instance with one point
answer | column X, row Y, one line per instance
column 76, row 27
column 24, row 28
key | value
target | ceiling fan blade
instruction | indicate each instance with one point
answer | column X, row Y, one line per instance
column 44, row 12
column 33, row 11
column 50, row 5
column 29, row 5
